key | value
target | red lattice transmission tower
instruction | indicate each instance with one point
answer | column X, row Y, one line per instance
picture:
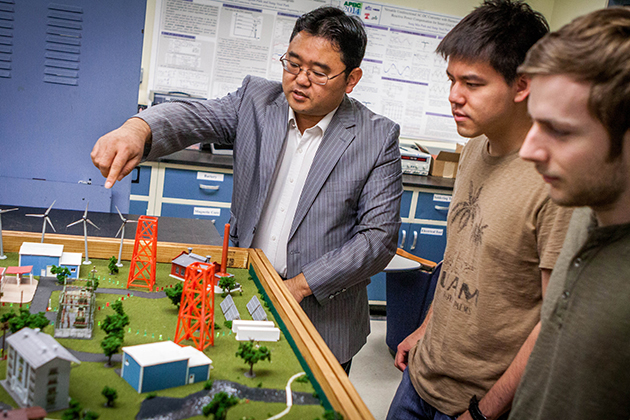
column 142, row 269
column 196, row 310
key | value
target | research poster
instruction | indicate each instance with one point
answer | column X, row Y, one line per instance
column 205, row 48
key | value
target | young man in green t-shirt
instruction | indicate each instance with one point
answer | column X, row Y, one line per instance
column 580, row 143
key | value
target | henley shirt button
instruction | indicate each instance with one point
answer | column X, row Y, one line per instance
column 331, row 297
column 273, row 238
column 566, row 294
column 577, row 262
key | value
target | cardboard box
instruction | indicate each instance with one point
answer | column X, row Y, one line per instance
column 445, row 163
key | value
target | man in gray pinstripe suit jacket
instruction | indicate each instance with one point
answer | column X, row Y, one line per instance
column 317, row 176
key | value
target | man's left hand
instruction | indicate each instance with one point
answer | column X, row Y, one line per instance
column 298, row 287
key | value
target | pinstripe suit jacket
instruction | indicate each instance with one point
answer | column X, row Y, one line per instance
column 346, row 223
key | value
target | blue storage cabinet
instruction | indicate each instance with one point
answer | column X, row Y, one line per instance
column 433, row 205
column 175, row 190
column 377, row 289
column 219, row 216
column 140, row 190
column 423, row 233
column 423, row 212
column 204, row 185
column 138, row 207
column 141, row 180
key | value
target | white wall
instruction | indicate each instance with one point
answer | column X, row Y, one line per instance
column 557, row 13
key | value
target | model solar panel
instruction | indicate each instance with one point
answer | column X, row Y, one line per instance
column 253, row 304
column 227, row 303
column 259, row 314
column 232, row 314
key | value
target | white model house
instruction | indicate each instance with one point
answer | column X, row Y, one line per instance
column 43, row 256
column 38, row 370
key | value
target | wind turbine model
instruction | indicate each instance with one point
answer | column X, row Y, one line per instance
column 85, row 221
column 46, row 219
column 2, row 256
column 122, row 236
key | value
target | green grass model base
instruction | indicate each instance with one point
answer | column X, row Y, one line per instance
column 153, row 317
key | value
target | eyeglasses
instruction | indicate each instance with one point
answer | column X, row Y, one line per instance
column 313, row 76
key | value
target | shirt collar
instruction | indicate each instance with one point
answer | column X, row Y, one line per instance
column 322, row 124
column 605, row 234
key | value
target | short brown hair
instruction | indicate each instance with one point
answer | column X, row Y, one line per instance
column 595, row 49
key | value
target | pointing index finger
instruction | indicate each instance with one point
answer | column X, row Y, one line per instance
column 114, row 171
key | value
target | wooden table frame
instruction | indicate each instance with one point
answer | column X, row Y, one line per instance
column 324, row 368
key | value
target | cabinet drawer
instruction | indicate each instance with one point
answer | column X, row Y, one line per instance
column 198, row 185
column 141, row 180
column 220, row 216
column 432, row 206
column 423, row 240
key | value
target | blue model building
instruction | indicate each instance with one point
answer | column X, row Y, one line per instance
column 164, row 364
column 43, row 256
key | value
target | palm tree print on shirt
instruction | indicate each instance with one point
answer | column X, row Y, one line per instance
column 466, row 211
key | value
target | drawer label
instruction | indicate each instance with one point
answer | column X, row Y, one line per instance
column 206, row 211
column 442, row 198
column 208, row 176
column 431, row 231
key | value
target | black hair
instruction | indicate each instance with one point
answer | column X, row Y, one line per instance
column 499, row 32
column 345, row 33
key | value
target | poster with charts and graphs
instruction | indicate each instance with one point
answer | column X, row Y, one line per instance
column 205, row 48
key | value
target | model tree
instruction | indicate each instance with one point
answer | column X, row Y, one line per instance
column 114, row 326
column 90, row 415
column 4, row 320
column 75, row 412
column 113, row 268
column 110, row 394
column 27, row 319
column 219, row 406
column 110, row 345
column 62, row 273
column 252, row 353
column 227, row 284
column 175, row 293
column 93, row 284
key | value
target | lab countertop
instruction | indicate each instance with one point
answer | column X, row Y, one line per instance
column 170, row 229
column 202, row 158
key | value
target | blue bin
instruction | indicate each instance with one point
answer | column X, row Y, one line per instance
column 409, row 296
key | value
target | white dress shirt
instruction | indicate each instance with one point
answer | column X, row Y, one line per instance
column 272, row 232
